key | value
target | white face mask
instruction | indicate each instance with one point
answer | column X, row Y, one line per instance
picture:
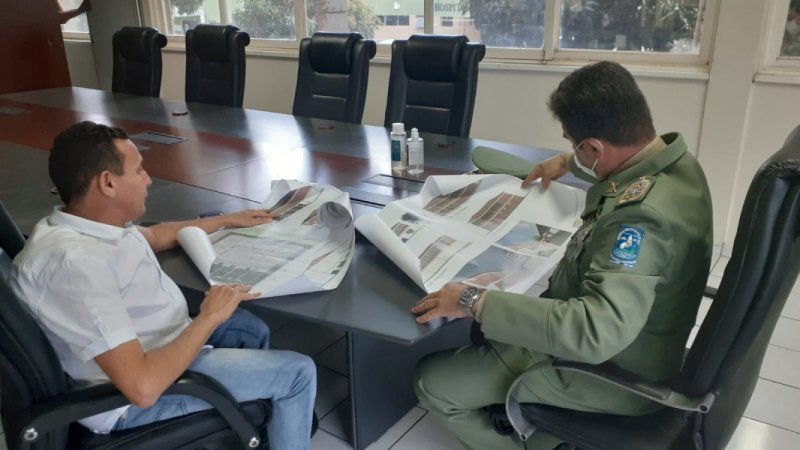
column 584, row 169
column 792, row 27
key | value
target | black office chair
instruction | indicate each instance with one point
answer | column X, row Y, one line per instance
column 215, row 65
column 705, row 402
column 137, row 61
column 332, row 76
column 433, row 82
column 11, row 238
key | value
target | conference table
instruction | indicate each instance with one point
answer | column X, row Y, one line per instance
column 207, row 157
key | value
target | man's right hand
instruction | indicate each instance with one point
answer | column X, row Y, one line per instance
column 144, row 376
column 221, row 301
column 548, row 170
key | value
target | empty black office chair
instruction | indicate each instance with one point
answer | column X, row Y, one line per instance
column 215, row 65
column 137, row 61
column 433, row 82
column 707, row 399
column 332, row 76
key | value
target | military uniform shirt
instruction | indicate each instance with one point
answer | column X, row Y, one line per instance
column 627, row 290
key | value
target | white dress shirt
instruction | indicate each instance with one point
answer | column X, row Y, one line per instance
column 92, row 287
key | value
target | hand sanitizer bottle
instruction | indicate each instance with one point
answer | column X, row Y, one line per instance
column 416, row 153
column 399, row 151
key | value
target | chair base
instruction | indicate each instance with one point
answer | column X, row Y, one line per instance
column 665, row 429
column 201, row 430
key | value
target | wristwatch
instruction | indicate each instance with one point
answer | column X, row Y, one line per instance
column 469, row 295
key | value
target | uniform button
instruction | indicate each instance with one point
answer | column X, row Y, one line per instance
column 103, row 328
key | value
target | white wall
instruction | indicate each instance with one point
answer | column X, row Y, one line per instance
column 773, row 112
column 731, row 123
column 510, row 105
column 81, row 63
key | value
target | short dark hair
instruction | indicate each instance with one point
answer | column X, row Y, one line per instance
column 602, row 101
column 79, row 153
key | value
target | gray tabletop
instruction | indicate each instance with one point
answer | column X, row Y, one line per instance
column 315, row 135
column 374, row 297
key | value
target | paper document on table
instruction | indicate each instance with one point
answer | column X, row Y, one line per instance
column 307, row 247
column 482, row 230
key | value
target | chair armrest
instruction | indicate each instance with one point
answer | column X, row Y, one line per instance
column 66, row 408
column 634, row 383
column 204, row 387
column 63, row 409
column 610, row 374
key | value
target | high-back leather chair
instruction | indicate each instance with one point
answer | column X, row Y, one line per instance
column 707, row 399
column 332, row 76
column 11, row 241
column 433, row 82
column 11, row 238
column 215, row 65
column 137, row 61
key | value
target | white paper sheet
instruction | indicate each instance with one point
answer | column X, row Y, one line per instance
column 307, row 247
column 482, row 230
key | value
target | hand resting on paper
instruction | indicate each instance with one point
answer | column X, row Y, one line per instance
column 163, row 236
column 548, row 170
column 246, row 218
column 443, row 303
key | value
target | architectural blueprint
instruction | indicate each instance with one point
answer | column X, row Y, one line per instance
column 482, row 230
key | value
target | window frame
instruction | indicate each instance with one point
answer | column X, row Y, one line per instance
column 76, row 36
column 158, row 15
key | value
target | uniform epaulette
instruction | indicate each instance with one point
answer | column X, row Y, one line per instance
column 636, row 191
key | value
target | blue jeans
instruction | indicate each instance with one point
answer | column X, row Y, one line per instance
column 287, row 378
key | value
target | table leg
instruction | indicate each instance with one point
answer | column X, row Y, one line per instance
column 381, row 377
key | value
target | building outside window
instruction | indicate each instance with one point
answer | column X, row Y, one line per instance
column 790, row 45
column 629, row 27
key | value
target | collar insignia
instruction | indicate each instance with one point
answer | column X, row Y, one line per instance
column 636, row 191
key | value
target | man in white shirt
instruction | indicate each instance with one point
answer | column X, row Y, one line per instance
column 92, row 281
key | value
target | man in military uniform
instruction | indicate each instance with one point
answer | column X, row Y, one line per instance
column 626, row 291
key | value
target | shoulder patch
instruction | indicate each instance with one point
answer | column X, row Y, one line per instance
column 636, row 191
column 626, row 249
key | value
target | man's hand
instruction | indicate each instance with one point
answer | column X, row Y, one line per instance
column 548, row 170
column 163, row 236
column 247, row 218
column 144, row 376
column 442, row 303
column 221, row 302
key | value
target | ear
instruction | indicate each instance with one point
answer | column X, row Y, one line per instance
column 595, row 145
column 105, row 184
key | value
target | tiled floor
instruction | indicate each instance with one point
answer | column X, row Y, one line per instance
column 770, row 421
